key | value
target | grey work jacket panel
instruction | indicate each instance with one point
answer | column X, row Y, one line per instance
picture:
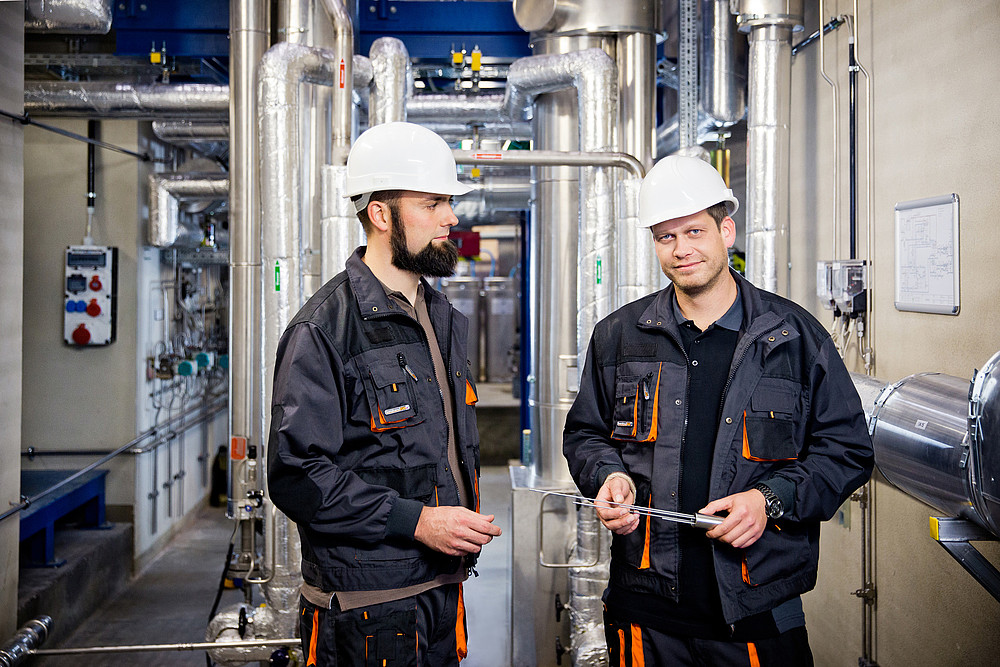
column 358, row 435
column 790, row 416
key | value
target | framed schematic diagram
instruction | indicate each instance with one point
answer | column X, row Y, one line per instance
column 927, row 270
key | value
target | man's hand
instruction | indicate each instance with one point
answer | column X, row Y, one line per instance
column 746, row 521
column 455, row 530
column 616, row 491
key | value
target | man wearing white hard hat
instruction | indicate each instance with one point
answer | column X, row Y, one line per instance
column 711, row 397
column 373, row 449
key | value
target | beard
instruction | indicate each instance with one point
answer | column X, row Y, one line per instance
column 437, row 261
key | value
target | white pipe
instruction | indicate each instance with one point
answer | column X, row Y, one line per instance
column 166, row 191
column 125, row 100
column 73, row 17
column 391, row 76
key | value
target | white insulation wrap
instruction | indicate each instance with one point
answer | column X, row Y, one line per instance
column 391, row 77
column 166, row 191
column 72, row 17
column 126, row 100
column 594, row 75
column 587, row 583
column 189, row 131
column 341, row 229
column 638, row 268
column 225, row 627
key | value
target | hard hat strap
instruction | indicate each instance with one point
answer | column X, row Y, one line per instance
column 361, row 201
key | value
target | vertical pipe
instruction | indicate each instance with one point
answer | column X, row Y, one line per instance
column 248, row 31
column 91, row 189
column 390, row 81
column 835, row 88
column 853, row 124
column 770, row 24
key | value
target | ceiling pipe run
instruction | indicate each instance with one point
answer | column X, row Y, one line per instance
column 125, row 100
column 166, row 192
column 70, row 17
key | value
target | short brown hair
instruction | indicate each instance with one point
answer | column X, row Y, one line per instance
column 719, row 212
column 388, row 197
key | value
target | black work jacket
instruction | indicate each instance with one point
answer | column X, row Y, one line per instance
column 358, row 437
column 790, row 416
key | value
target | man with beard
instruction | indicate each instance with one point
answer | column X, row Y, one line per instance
column 715, row 397
column 373, row 449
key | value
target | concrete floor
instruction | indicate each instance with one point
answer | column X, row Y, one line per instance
column 169, row 602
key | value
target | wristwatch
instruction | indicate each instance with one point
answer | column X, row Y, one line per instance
column 772, row 503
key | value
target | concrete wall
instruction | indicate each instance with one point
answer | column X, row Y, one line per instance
column 78, row 398
column 935, row 132
column 12, row 259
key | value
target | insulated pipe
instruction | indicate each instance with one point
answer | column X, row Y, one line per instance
column 770, row 24
column 31, row 635
column 723, row 67
column 496, row 197
column 188, row 131
column 343, row 57
column 443, row 107
column 125, row 100
column 341, row 229
column 593, row 75
column 248, row 40
column 166, row 190
column 391, row 78
column 73, row 17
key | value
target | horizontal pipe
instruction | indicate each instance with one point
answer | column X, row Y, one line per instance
column 552, row 159
column 188, row 131
column 69, row 17
column 148, row 433
column 148, row 648
column 123, row 100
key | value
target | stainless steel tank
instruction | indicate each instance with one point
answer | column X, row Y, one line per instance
column 499, row 328
column 937, row 438
column 465, row 294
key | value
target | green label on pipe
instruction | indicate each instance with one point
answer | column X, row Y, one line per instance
column 598, row 270
column 277, row 277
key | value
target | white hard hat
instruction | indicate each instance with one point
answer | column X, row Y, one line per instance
column 678, row 186
column 402, row 156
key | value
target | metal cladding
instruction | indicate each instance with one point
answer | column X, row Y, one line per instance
column 594, row 75
column 229, row 626
column 126, row 100
column 937, row 439
column 770, row 24
column 494, row 199
column 73, row 17
column 723, row 64
column 636, row 277
column 588, row 578
column 391, row 76
column 30, row 636
column 341, row 230
column 166, row 191
column 190, row 131
column 461, row 107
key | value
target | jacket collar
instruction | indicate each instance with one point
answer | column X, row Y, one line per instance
column 371, row 296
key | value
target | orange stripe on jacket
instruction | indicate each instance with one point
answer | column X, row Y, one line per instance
column 752, row 651
column 461, row 641
column 644, row 563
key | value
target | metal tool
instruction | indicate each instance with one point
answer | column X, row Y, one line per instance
column 703, row 521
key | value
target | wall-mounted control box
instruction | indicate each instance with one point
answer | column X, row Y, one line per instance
column 90, row 307
column 842, row 285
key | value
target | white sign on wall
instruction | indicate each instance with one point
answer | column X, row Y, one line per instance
column 927, row 275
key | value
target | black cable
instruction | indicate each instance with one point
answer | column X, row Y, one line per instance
column 834, row 23
column 25, row 120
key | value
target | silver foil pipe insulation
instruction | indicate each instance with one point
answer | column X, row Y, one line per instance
column 341, row 230
column 190, row 131
column 30, row 636
column 638, row 269
column 460, row 116
column 391, row 81
column 167, row 191
column 125, row 100
column 496, row 198
column 723, row 65
column 73, row 17
column 770, row 24
column 588, row 577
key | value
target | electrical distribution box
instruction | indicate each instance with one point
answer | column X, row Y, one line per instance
column 842, row 285
column 90, row 307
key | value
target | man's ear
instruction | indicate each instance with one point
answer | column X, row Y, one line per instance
column 728, row 229
column 378, row 213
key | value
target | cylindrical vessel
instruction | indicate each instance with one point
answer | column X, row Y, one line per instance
column 500, row 328
column 465, row 295
column 920, row 433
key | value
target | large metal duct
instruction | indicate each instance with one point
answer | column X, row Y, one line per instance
column 723, row 55
column 125, row 100
column 391, row 77
column 937, row 438
column 770, row 24
column 72, row 17
column 166, row 192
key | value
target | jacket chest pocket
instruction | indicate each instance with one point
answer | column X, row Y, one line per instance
column 769, row 423
column 392, row 396
column 637, row 393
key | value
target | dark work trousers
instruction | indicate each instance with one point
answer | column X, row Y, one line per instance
column 427, row 630
column 630, row 645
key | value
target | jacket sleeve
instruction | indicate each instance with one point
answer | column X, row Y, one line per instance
column 837, row 454
column 587, row 434
column 308, row 405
